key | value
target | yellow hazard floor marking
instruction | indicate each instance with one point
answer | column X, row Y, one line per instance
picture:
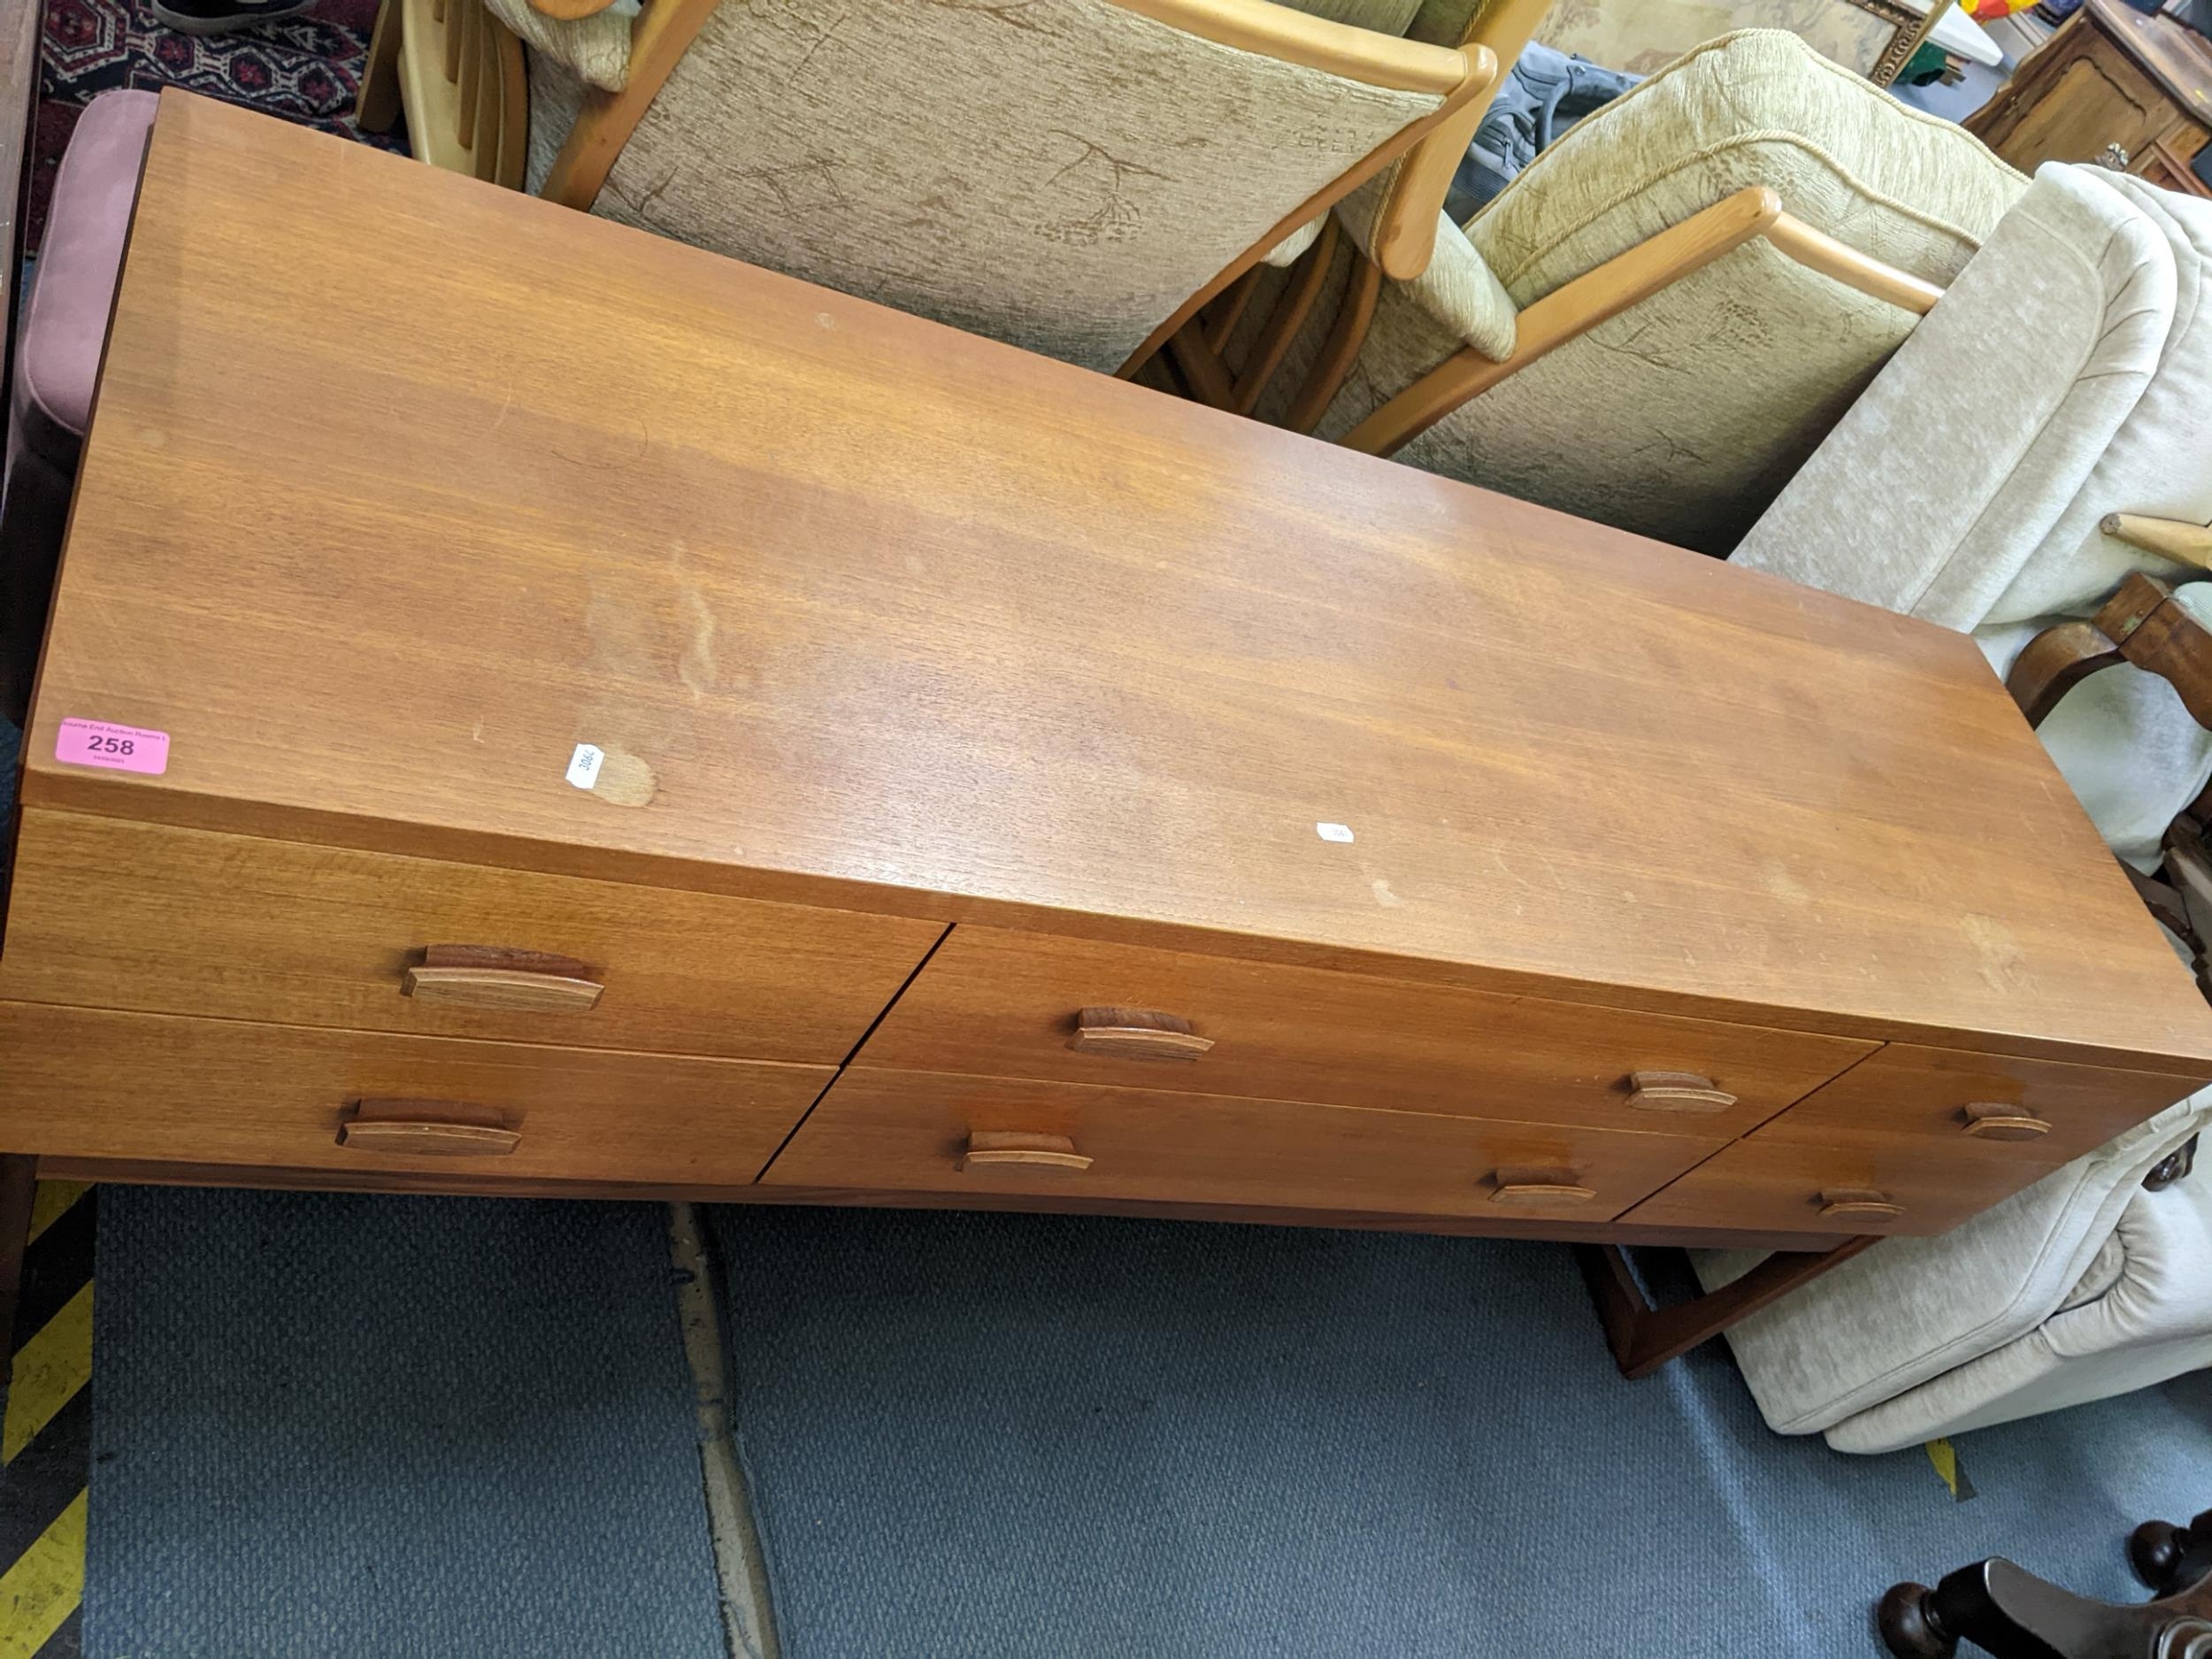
column 41, row 1590
column 1945, row 1462
column 51, row 1199
column 49, row 1370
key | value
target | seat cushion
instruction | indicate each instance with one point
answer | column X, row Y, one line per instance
column 2145, row 1317
column 1910, row 1309
column 74, row 287
column 1685, row 416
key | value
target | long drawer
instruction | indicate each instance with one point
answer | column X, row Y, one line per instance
column 1005, row 1004
column 85, row 1083
column 1765, row 1183
column 1951, row 1104
column 107, row 913
column 907, row 1131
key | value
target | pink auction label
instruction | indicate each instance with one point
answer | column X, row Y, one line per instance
column 124, row 748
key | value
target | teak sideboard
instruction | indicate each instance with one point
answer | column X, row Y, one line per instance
column 586, row 716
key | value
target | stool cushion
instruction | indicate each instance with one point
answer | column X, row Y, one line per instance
column 74, row 287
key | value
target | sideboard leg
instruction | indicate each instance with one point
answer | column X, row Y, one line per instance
column 1643, row 1338
column 18, row 1182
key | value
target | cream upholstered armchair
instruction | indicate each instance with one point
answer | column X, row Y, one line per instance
column 1078, row 177
column 2082, row 449
column 1657, row 321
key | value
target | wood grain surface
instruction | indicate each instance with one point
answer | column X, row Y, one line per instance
column 863, row 612
column 452, row 1177
column 1923, row 1095
column 1006, row 1004
column 92, row 1084
column 893, row 1130
column 106, row 913
column 1776, row 1183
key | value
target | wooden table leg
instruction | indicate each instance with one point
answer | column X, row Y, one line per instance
column 1643, row 1338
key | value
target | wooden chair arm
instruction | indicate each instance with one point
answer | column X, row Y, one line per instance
column 2175, row 538
column 2140, row 623
column 1405, row 229
column 2054, row 661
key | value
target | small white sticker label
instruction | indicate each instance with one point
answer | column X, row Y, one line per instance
column 1326, row 832
column 583, row 768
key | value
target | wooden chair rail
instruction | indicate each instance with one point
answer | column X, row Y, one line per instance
column 1627, row 279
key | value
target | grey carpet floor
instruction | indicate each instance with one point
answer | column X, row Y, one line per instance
column 1040, row 1436
column 338, row 1427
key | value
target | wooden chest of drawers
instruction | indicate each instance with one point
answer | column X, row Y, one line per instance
column 628, row 722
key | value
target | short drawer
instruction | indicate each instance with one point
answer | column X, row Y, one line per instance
column 1768, row 1185
column 107, row 913
column 894, row 1131
column 1004, row 1004
column 1952, row 1103
column 90, row 1084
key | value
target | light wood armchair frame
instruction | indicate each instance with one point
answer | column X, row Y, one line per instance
column 1573, row 309
column 1460, row 76
column 457, row 72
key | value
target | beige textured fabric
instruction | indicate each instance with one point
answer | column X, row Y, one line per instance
column 1647, row 36
column 1883, row 1324
column 2107, row 276
column 1063, row 175
column 1683, row 417
column 1458, row 292
column 2152, row 1320
column 1444, row 22
column 2077, row 270
column 1287, row 252
column 596, row 48
column 1385, row 16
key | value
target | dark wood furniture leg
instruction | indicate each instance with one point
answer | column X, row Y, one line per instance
column 2009, row 1612
column 1643, row 1338
column 18, row 1180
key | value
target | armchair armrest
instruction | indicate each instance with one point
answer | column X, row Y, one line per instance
column 2143, row 623
column 1403, row 235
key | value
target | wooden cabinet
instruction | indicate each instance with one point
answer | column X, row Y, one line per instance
column 92, row 1084
column 2114, row 85
column 1028, row 1005
column 563, row 768
column 899, row 1131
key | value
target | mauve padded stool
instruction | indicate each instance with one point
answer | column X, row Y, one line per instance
column 57, row 364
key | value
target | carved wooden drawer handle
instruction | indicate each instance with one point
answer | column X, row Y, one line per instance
column 995, row 1148
column 1540, row 1187
column 437, row 1128
column 1677, row 1092
column 512, row 981
column 1994, row 1120
column 1858, row 1203
column 1136, row 1034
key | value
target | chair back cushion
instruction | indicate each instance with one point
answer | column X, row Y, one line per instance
column 1063, row 176
column 1685, row 416
column 1937, row 491
column 2158, row 459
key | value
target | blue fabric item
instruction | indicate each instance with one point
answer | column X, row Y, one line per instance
column 369, row 1428
column 1546, row 92
column 1043, row 1436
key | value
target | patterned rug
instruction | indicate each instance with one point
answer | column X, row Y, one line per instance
column 305, row 69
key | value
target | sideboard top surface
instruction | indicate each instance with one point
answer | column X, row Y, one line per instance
column 400, row 488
